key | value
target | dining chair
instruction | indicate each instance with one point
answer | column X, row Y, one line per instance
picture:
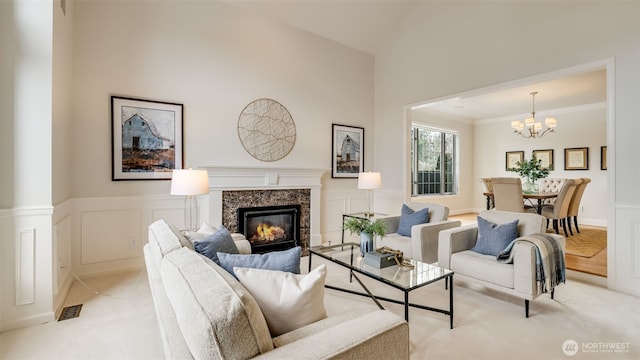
column 560, row 209
column 551, row 185
column 507, row 194
column 574, row 206
column 488, row 188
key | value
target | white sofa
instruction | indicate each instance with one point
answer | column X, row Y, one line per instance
column 205, row 313
column 518, row 278
column 422, row 245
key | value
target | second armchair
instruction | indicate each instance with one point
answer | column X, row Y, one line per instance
column 422, row 244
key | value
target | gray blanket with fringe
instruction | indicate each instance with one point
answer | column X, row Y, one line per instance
column 550, row 267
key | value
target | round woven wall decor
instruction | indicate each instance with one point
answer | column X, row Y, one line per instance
column 266, row 130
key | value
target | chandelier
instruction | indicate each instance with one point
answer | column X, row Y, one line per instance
column 533, row 128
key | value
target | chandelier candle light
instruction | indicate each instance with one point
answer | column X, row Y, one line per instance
column 369, row 181
column 532, row 125
column 190, row 183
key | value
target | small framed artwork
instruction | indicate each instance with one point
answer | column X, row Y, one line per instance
column 347, row 154
column 576, row 158
column 603, row 158
column 512, row 158
column 146, row 139
column 546, row 157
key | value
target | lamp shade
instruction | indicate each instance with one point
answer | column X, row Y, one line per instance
column 369, row 180
column 189, row 182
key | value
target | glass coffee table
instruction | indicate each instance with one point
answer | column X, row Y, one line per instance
column 403, row 278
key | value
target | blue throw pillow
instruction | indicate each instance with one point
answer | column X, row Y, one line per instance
column 285, row 260
column 218, row 242
column 408, row 218
column 493, row 238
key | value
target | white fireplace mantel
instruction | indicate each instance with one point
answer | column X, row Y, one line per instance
column 227, row 178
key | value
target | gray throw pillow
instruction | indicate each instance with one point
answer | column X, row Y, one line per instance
column 493, row 238
column 285, row 260
column 218, row 242
column 409, row 218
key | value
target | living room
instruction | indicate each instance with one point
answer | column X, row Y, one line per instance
column 215, row 58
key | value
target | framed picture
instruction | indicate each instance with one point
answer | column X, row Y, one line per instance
column 603, row 158
column 347, row 154
column 512, row 158
column 546, row 156
column 576, row 158
column 146, row 139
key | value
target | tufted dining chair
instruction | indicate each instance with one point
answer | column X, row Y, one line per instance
column 560, row 209
column 551, row 185
column 507, row 194
column 574, row 205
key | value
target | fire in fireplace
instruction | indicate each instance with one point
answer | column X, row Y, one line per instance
column 270, row 228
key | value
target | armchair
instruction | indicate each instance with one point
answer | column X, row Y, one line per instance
column 422, row 245
column 517, row 278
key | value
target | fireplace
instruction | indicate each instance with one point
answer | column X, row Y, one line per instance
column 270, row 228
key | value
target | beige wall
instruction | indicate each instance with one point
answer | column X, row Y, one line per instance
column 446, row 48
column 586, row 128
column 215, row 59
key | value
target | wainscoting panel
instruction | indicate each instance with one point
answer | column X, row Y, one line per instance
column 624, row 257
column 25, row 266
column 335, row 204
column 110, row 235
column 62, row 248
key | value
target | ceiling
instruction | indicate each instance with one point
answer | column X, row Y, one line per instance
column 554, row 96
column 363, row 24
column 360, row 24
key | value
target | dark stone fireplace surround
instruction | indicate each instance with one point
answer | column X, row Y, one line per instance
column 231, row 187
column 234, row 199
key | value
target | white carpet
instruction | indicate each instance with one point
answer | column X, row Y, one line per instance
column 487, row 324
column 490, row 325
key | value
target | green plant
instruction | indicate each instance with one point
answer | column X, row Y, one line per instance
column 531, row 169
column 359, row 225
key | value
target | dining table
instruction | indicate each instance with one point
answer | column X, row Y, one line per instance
column 539, row 196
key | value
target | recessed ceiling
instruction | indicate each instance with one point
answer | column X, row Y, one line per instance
column 553, row 95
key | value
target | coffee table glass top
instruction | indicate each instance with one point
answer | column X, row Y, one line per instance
column 405, row 278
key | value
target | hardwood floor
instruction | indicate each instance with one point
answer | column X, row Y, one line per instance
column 596, row 265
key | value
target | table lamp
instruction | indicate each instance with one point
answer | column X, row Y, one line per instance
column 190, row 183
column 369, row 181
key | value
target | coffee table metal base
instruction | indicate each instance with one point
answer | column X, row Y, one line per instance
column 448, row 284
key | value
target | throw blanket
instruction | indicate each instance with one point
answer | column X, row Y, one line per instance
column 550, row 268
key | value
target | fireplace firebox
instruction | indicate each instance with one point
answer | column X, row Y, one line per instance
column 270, row 228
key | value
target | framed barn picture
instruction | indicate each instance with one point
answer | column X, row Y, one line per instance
column 146, row 139
column 347, row 154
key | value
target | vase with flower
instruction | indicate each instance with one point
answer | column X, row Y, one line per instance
column 532, row 171
column 367, row 229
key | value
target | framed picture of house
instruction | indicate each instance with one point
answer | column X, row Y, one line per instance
column 545, row 157
column 347, row 154
column 146, row 139
column 512, row 158
column 576, row 158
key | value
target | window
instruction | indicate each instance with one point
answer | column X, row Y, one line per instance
column 433, row 161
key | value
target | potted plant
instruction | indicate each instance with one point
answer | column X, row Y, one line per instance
column 532, row 171
column 367, row 229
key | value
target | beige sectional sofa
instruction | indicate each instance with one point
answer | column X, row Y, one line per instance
column 205, row 313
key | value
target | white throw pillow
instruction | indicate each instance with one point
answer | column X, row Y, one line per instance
column 204, row 231
column 288, row 301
